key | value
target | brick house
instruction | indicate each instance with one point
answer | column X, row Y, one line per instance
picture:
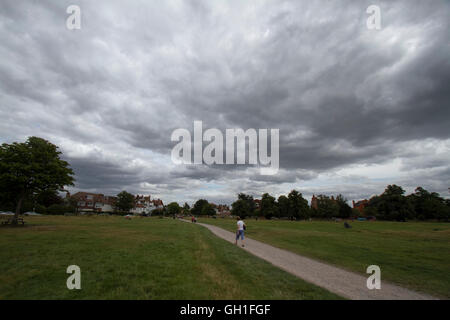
column 360, row 205
column 144, row 204
column 94, row 202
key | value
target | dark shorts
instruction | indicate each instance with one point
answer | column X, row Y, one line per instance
column 240, row 233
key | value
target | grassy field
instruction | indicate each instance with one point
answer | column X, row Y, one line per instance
column 414, row 255
column 146, row 258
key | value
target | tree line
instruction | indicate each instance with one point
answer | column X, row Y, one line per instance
column 293, row 206
column 391, row 205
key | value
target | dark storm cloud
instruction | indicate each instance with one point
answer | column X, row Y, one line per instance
column 342, row 95
column 102, row 175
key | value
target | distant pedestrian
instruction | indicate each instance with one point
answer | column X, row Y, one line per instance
column 240, row 230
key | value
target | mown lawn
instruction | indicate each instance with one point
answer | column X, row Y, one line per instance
column 146, row 258
column 413, row 254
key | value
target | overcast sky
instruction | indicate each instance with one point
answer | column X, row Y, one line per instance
column 357, row 109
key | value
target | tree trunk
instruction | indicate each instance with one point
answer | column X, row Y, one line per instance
column 18, row 208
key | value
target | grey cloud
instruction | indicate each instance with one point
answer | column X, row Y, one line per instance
column 340, row 94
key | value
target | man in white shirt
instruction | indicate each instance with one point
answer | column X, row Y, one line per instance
column 240, row 230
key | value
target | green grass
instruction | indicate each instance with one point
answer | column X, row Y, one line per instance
column 146, row 258
column 415, row 255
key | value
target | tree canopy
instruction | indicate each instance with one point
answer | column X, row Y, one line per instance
column 173, row 208
column 269, row 206
column 244, row 206
column 392, row 204
column 197, row 209
column 124, row 202
column 298, row 206
column 30, row 168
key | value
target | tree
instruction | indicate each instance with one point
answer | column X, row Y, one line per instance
column 327, row 208
column 173, row 208
column 124, row 202
column 48, row 198
column 71, row 203
column 59, row 209
column 198, row 207
column 298, row 206
column 244, row 206
column 429, row 205
column 269, row 207
column 239, row 208
column 249, row 204
column 186, row 208
column 345, row 211
column 31, row 168
column 283, row 206
column 208, row 210
column 392, row 204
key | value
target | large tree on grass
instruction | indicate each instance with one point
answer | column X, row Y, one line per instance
column 208, row 210
column 31, row 168
column 173, row 208
column 124, row 202
column 298, row 206
column 283, row 206
column 186, row 208
column 344, row 209
column 244, row 206
column 392, row 204
column 429, row 205
column 198, row 207
column 269, row 206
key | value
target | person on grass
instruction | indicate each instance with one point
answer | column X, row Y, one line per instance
column 240, row 231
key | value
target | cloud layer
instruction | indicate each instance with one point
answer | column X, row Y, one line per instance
column 357, row 109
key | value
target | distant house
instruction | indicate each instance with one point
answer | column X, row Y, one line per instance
column 158, row 203
column 360, row 205
column 93, row 202
column 144, row 204
column 97, row 202
column 314, row 203
column 222, row 210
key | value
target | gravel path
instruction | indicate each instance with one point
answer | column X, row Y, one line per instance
column 344, row 283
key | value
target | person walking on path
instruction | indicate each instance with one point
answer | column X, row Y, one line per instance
column 240, row 231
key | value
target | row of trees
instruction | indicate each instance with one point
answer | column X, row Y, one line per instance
column 392, row 204
column 200, row 208
column 293, row 206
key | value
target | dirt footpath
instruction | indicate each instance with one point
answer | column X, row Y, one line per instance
column 344, row 283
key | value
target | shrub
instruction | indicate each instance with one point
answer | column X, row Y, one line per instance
column 58, row 209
